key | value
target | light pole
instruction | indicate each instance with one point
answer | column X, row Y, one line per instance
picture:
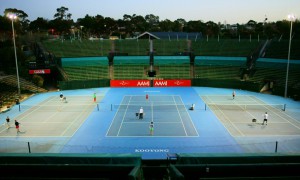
column 290, row 18
column 81, row 32
column 13, row 17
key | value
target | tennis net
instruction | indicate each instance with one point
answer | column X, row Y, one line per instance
column 150, row 107
column 244, row 107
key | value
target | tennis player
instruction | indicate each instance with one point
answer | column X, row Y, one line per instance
column 17, row 126
column 7, row 122
column 233, row 94
column 61, row 96
column 141, row 113
column 265, row 118
column 147, row 96
column 192, row 107
column 95, row 97
column 151, row 128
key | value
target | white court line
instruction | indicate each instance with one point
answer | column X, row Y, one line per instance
column 216, row 102
column 189, row 117
column 138, row 122
column 98, row 95
column 20, row 135
column 180, row 117
column 229, row 122
column 53, row 114
column 245, row 110
column 123, row 122
column 157, row 102
column 153, row 95
column 113, row 119
column 243, row 122
column 123, row 118
column 224, row 95
column 152, row 113
column 45, row 122
column 83, row 120
column 282, row 117
column 146, row 136
column 5, row 128
column 37, row 107
column 68, row 127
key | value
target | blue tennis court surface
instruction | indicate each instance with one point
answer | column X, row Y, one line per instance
column 110, row 125
column 167, row 112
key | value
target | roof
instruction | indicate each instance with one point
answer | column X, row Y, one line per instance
column 170, row 35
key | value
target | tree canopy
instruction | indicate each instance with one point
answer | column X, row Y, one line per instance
column 130, row 25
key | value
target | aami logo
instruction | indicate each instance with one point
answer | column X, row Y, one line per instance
column 39, row 72
column 123, row 83
column 178, row 83
column 143, row 83
column 161, row 83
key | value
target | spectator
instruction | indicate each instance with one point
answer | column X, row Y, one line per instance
column 141, row 113
column 17, row 126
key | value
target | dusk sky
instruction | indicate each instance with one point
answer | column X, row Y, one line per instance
column 229, row 11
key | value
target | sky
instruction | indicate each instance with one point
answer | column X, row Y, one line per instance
column 223, row 11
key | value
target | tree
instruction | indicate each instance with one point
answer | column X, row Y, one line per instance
column 62, row 22
column 212, row 29
column 138, row 23
column 61, row 13
column 22, row 23
column 166, row 25
column 195, row 26
column 88, row 22
column 284, row 28
column 271, row 30
column 152, row 22
column 99, row 24
column 5, row 24
column 22, row 16
column 179, row 25
column 39, row 24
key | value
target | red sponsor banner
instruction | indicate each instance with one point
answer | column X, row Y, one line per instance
column 171, row 83
column 129, row 83
column 40, row 71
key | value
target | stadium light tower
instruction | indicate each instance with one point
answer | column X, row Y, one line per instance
column 290, row 18
column 81, row 30
column 13, row 17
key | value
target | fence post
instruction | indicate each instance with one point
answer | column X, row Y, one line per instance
column 29, row 148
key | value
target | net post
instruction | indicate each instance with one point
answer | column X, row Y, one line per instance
column 284, row 106
column 19, row 107
column 205, row 106
column 97, row 106
column 276, row 146
column 28, row 147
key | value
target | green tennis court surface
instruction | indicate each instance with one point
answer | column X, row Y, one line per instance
column 243, row 116
column 52, row 117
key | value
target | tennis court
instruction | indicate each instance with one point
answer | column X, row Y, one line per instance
column 243, row 116
column 110, row 125
column 52, row 117
column 168, row 112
